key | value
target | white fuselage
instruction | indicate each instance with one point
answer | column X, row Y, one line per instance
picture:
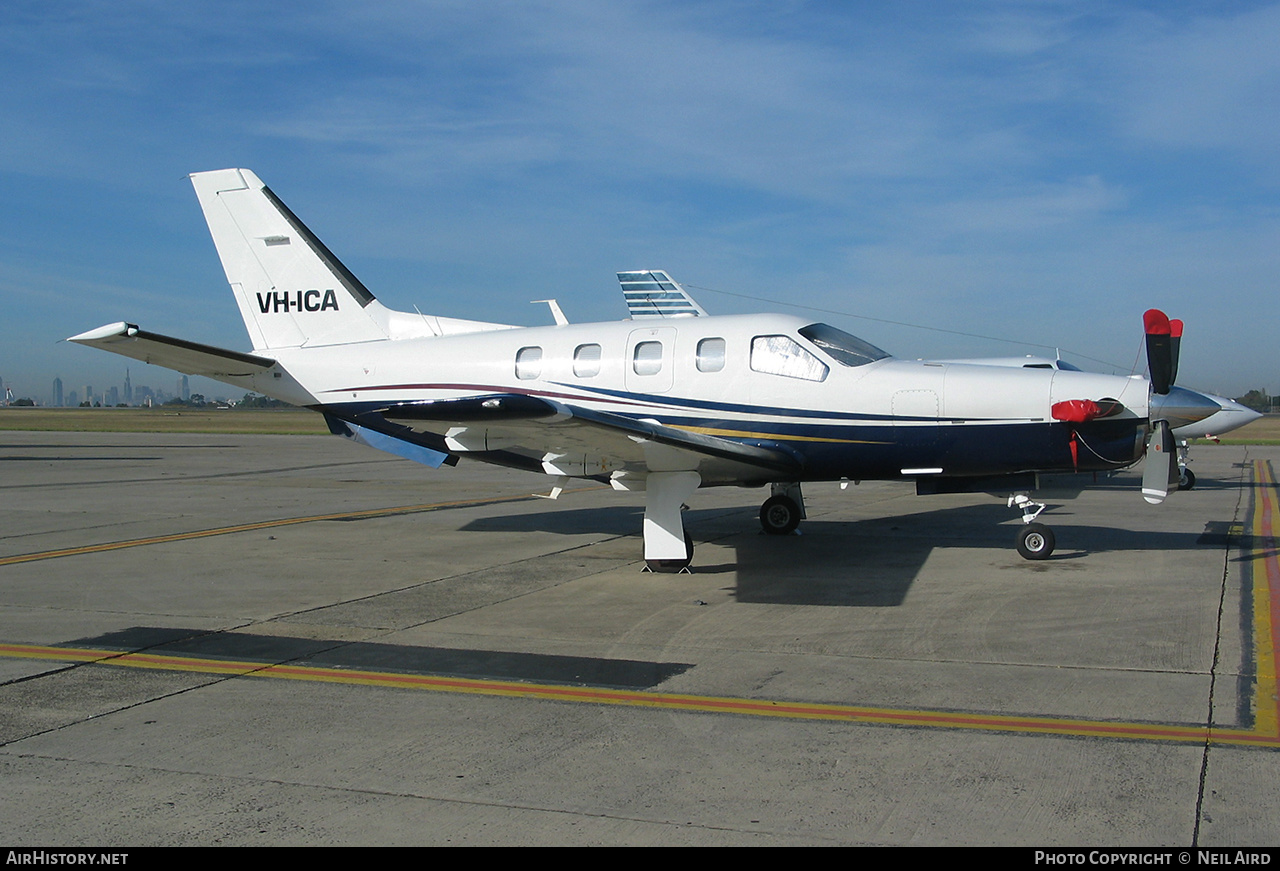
column 656, row 372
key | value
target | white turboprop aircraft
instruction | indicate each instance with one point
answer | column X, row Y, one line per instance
column 664, row 403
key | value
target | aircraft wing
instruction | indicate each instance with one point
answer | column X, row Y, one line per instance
column 191, row 358
column 581, row 442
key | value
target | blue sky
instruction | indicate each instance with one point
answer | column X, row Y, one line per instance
column 1033, row 171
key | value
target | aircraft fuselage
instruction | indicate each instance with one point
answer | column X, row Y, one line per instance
column 885, row 418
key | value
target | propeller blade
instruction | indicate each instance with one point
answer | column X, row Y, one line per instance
column 1175, row 344
column 1160, row 361
column 1161, row 470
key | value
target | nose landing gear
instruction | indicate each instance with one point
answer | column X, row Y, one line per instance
column 1035, row 540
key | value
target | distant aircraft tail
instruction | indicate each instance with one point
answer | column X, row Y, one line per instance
column 651, row 293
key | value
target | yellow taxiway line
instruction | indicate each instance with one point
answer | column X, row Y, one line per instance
column 249, row 527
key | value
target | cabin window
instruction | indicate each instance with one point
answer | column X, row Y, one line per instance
column 586, row 361
column 710, row 355
column 529, row 362
column 782, row 355
column 647, row 358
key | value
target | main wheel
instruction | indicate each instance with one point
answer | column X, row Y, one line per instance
column 779, row 515
column 1186, row 479
column 1035, row 541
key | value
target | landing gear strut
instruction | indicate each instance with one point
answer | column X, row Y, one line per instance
column 1186, row 477
column 1035, row 540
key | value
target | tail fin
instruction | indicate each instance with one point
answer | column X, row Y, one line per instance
column 651, row 293
column 291, row 290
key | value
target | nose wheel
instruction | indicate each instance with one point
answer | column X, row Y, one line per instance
column 1035, row 541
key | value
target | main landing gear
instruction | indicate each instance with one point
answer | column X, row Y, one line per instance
column 1035, row 540
column 667, row 545
column 782, row 512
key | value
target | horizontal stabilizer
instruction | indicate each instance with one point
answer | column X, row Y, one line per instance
column 191, row 358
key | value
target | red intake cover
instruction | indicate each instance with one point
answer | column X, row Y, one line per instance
column 1076, row 410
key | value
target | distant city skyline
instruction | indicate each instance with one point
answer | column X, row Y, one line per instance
column 125, row 391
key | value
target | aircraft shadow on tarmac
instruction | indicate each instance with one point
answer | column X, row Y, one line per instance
column 874, row 563
column 379, row 657
column 612, row 520
column 858, row 563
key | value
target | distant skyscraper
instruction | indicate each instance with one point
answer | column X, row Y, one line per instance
column 88, row 394
column 57, row 393
column 73, row 399
column 184, row 388
column 128, row 389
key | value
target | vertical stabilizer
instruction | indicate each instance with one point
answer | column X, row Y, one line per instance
column 290, row 288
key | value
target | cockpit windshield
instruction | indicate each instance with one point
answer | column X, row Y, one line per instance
column 845, row 349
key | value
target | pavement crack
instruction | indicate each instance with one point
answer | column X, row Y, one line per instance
column 1217, row 654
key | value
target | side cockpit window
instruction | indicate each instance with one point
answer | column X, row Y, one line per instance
column 782, row 355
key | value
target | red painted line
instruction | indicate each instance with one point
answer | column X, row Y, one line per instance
column 1266, row 548
column 712, row 704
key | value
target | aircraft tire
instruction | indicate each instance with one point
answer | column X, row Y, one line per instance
column 779, row 515
column 1186, row 479
column 1035, row 541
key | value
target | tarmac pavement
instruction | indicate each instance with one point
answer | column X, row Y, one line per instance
column 251, row 640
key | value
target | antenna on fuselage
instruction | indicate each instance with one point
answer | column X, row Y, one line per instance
column 556, row 313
